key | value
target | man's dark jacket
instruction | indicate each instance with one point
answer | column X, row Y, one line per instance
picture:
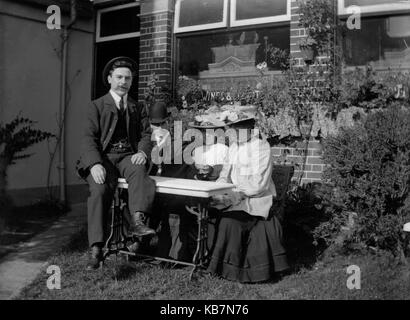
column 101, row 120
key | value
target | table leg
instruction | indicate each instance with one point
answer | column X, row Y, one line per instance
column 201, row 252
column 117, row 239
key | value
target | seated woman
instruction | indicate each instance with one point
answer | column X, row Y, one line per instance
column 247, row 245
column 177, row 232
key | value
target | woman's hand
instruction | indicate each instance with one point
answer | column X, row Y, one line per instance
column 239, row 194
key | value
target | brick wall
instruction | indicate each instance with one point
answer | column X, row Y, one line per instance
column 155, row 49
column 296, row 34
column 306, row 159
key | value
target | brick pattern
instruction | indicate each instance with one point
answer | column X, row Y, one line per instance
column 296, row 34
column 311, row 170
column 155, row 50
column 308, row 162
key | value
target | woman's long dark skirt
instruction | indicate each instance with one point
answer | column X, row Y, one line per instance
column 247, row 248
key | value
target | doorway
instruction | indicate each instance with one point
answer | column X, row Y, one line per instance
column 117, row 34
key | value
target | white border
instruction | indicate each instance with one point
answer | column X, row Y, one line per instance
column 377, row 8
column 208, row 26
column 245, row 22
column 117, row 36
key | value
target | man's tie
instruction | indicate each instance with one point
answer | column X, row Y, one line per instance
column 122, row 107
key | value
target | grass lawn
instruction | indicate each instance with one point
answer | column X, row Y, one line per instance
column 381, row 278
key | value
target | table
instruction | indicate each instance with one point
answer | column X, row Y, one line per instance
column 201, row 191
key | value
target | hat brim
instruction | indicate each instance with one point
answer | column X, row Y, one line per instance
column 193, row 125
column 241, row 120
column 109, row 64
column 158, row 120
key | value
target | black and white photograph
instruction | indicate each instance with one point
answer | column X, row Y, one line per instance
column 204, row 154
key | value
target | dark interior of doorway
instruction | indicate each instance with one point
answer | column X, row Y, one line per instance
column 107, row 50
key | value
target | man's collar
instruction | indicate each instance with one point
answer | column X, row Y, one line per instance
column 117, row 98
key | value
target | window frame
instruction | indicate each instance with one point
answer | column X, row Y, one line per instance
column 369, row 11
column 255, row 21
column 208, row 26
column 117, row 36
column 375, row 9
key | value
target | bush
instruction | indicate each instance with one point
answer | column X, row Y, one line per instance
column 368, row 173
column 15, row 137
column 304, row 213
column 370, row 90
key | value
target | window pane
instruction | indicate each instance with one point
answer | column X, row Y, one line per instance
column 246, row 9
column 370, row 2
column 120, row 21
column 382, row 41
column 198, row 12
column 232, row 54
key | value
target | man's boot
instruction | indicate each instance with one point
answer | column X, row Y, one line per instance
column 137, row 227
column 96, row 258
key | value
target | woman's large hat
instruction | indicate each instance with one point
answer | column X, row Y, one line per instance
column 225, row 116
column 119, row 62
column 158, row 112
column 244, row 113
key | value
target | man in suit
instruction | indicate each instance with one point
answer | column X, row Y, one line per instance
column 116, row 142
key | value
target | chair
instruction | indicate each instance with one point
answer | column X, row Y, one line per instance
column 253, row 252
column 281, row 175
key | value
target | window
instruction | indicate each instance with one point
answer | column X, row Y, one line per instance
column 119, row 22
column 222, row 41
column 194, row 15
column 384, row 36
column 383, row 42
column 245, row 12
column 374, row 6
column 234, row 53
column 191, row 15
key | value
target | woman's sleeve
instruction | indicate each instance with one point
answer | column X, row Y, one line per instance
column 259, row 176
column 224, row 175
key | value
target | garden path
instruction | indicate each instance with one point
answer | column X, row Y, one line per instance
column 19, row 269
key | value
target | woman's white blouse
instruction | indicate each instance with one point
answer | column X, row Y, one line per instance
column 249, row 167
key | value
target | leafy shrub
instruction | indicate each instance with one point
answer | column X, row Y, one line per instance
column 304, row 212
column 368, row 89
column 318, row 18
column 368, row 173
column 189, row 94
column 15, row 137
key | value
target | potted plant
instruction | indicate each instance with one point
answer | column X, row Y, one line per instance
column 309, row 48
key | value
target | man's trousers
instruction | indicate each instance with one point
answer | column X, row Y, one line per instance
column 141, row 192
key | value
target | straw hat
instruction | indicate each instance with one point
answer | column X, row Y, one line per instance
column 225, row 116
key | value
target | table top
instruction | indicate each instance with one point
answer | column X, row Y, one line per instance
column 186, row 187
